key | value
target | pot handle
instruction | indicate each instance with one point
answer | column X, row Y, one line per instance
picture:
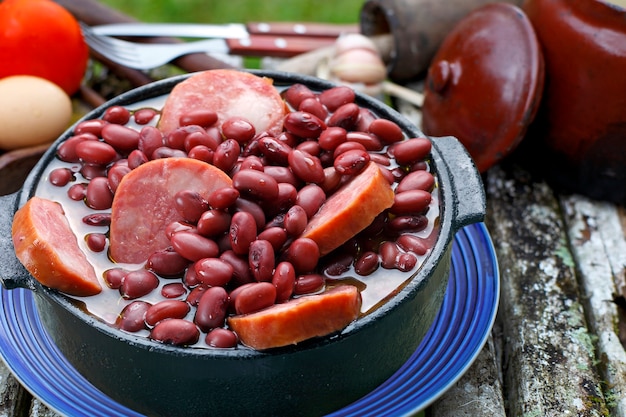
column 12, row 272
column 468, row 192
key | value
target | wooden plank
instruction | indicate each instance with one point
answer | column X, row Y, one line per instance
column 599, row 248
column 548, row 356
column 477, row 393
column 14, row 400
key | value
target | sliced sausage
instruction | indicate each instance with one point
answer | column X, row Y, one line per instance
column 143, row 205
column 228, row 93
column 350, row 209
column 298, row 319
column 48, row 248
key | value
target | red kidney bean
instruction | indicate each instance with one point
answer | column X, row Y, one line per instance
column 116, row 114
column 150, row 139
column 416, row 180
column 238, row 128
column 414, row 223
column 193, row 246
column 179, row 226
column 295, row 220
column 387, row 130
column 67, row 150
column 288, row 139
column 177, row 332
column 312, row 105
column 306, row 167
column 252, row 208
column 411, row 150
column 122, row 138
column 335, row 97
column 406, row 262
column 284, row 279
column 412, row 243
column 167, row 152
column 369, row 141
column 351, row 162
column 256, row 184
column 365, row 119
column 202, row 117
column 201, row 153
column 167, row 309
column 144, row 116
column 93, row 126
column 96, row 242
column 274, row 150
column 411, row 202
column 226, row 155
column 286, row 198
column 367, row 263
column 296, row 93
column 223, row 198
column 138, row 283
column 347, row 146
column 203, row 138
column 113, row 277
column 389, row 253
column 282, row 174
column 380, row 159
column 254, row 297
column 97, row 219
column 332, row 137
column 242, row 232
column 176, row 138
column 98, row 194
column 310, row 198
column 190, row 278
column 303, row 253
column 345, row 116
column 90, row 171
column 241, row 270
column 173, row 290
column 60, row 177
column 277, row 236
column 303, row 124
column 115, row 175
column 213, row 271
column 193, row 298
column 338, row 265
column 95, row 152
column 190, row 205
column 311, row 147
column 332, row 180
column 308, row 284
column 132, row 317
column 136, row 158
column 252, row 162
column 261, row 260
column 221, row 338
column 213, row 223
column 77, row 192
column 167, row 262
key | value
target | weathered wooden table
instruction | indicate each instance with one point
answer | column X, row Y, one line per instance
column 555, row 349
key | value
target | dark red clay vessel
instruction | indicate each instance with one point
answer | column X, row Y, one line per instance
column 485, row 83
column 580, row 130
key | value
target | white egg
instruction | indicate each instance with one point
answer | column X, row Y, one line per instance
column 33, row 111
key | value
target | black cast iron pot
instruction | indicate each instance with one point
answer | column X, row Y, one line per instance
column 313, row 378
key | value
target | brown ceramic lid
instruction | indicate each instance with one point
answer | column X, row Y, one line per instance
column 485, row 83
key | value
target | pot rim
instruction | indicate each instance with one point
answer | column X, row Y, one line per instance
column 448, row 224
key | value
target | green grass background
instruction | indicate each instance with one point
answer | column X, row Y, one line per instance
column 240, row 11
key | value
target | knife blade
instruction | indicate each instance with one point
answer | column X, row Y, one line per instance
column 225, row 31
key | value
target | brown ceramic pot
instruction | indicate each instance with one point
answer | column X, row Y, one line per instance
column 579, row 134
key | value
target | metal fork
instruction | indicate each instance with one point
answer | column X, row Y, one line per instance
column 144, row 56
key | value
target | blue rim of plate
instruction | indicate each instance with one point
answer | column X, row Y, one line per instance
column 449, row 348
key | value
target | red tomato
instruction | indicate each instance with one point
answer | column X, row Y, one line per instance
column 41, row 38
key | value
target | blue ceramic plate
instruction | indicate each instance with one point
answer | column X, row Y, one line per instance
column 449, row 348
